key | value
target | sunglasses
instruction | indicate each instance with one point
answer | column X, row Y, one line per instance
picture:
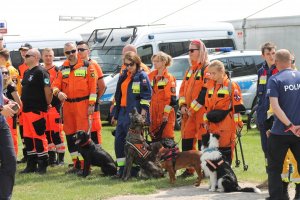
column 293, row 61
column 27, row 56
column 81, row 49
column 1, row 39
column 192, row 50
column 69, row 52
column 4, row 73
column 129, row 64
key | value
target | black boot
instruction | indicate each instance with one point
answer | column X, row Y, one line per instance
column 52, row 158
column 31, row 166
column 285, row 189
column 42, row 165
column 60, row 158
column 297, row 195
column 24, row 159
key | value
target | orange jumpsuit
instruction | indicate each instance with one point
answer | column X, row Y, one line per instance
column 162, row 102
column 189, row 95
column 217, row 98
column 79, row 84
column 96, row 124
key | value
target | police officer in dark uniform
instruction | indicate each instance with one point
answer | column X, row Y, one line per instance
column 7, row 152
column 264, row 73
column 283, row 90
column 36, row 96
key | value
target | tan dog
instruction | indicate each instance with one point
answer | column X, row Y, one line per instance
column 172, row 160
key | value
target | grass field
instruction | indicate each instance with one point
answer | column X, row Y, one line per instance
column 56, row 185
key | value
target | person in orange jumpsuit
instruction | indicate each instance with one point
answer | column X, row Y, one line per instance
column 163, row 97
column 83, row 51
column 191, row 99
column 223, row 94
column 10, row 91
column 75, row 86
column 54, row 133
column 22, row 68
column 36, row 96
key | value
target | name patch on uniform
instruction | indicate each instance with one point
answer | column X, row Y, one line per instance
column 46, row 81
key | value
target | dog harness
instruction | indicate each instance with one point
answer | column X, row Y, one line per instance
column 140, row 149
column 170, row 155
column 214, row 164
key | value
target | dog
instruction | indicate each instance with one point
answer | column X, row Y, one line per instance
column 94, row 155
column 222, row 178
column 138, row 151
column 172, row 160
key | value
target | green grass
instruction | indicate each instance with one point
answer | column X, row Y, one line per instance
column 56, row 185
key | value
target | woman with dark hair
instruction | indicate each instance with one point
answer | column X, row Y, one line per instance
column 133, row 91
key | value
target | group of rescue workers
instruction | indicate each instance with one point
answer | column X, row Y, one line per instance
column 49, row 99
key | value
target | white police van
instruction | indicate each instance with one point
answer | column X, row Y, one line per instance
column 243, row 64
column 107, row 44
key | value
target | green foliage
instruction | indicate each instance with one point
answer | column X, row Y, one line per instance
column 56, row 185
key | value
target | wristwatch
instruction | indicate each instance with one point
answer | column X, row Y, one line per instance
column 288, row 127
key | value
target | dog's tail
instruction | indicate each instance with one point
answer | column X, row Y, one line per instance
column 248, row 189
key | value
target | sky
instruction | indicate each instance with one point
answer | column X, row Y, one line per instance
column 38, row 17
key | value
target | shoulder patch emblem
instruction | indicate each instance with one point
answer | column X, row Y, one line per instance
column 93, row 74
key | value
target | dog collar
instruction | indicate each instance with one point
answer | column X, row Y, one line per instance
column 86, row 143
column 210, row 150
column 135, row 131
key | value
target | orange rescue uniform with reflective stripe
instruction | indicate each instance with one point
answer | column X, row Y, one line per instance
column 192, row 126
column 164, row 88
column 217, row 98
column 76, row 83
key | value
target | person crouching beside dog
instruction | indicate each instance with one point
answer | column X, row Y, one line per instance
column 133, row 90
column 163, row 98
column 224, row 104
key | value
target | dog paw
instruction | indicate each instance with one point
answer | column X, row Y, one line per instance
column 212, row 190
column 220, row 190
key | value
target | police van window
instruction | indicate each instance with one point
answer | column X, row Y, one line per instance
column 16, row 59
column 178, row 68
column 238, row 66
column 250, row 65
column 258, row 61
column 219, row 43
column 174, row 48
column 146, row 52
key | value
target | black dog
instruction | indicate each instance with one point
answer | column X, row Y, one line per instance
column 222, row 177
column 138, row 151
column 94, row 155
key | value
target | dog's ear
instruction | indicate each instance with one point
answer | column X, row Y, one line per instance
column 216, row 135
column 134, row 111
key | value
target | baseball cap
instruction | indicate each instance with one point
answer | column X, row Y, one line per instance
column 25, row 46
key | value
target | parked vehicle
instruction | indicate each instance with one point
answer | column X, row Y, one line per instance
column 107, row 44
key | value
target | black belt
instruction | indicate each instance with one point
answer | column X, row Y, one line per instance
column 77, row 99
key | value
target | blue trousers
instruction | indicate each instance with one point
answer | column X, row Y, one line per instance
column 8, row 161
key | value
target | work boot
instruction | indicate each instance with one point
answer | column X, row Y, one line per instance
column 31, row 166
column 263, row 185
column 186, row 174
column 61, row 159
column 119, row 174
column 75, row 167
column 42, row 165
column 297, row 194
column 24, row 159
column 52, row 158
column 285, row 192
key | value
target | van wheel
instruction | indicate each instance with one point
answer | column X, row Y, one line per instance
column 178, row 118
column 252, row 119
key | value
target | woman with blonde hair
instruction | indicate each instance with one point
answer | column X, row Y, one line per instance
column 10, row 91
column 223, row 103
column 163, row 98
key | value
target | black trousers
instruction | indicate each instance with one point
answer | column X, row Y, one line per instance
column 278, row 146
column 8, row 161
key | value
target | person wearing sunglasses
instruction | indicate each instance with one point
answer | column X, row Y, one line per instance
column 163, row 98
column 55, row 136
column 191, row 99
column 75, row 86
column 10, row 91
column 83, row 51
column 133, row 91
column 36, row 96
column 8, row 163
column 13, row 72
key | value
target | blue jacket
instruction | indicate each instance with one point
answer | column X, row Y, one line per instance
column 264, row 73
column 138, row 93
